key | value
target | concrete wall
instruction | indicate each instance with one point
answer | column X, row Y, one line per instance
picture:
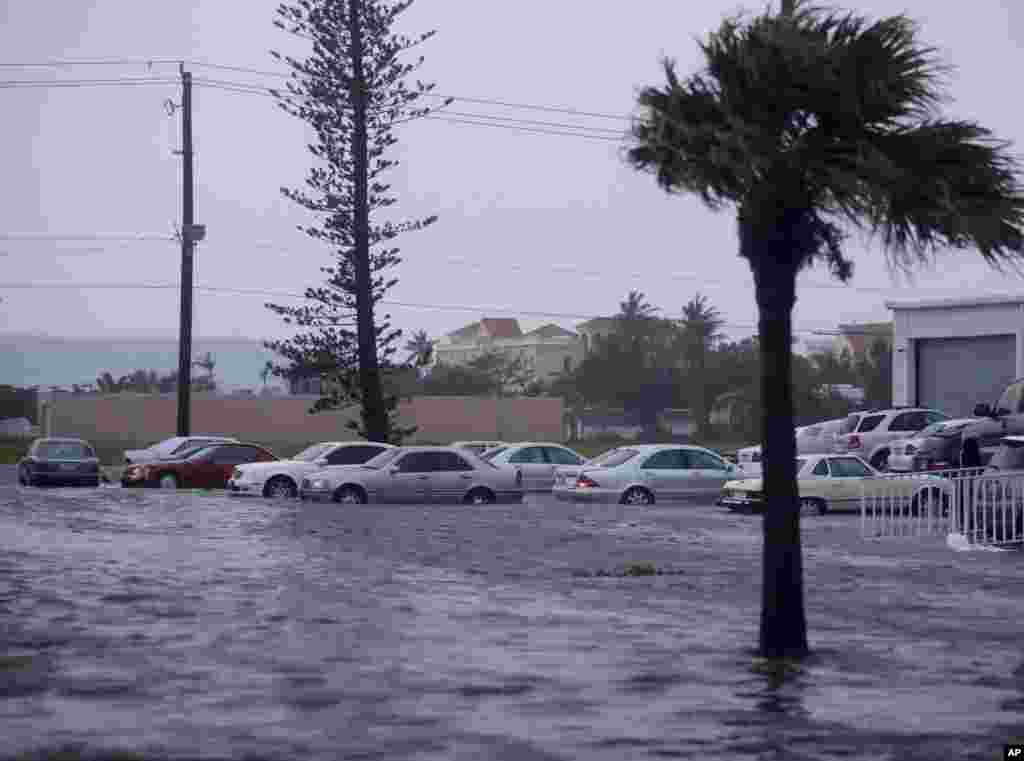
column 286, row 422
column 950, row 319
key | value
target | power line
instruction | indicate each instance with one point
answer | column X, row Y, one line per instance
column 293, row 294
column 43, row 84
column 117, row 237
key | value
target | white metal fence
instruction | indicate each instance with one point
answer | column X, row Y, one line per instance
column 983, row 508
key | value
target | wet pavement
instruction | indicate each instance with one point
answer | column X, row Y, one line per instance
column 184, row 626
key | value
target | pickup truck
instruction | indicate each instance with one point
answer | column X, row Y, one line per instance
column 981, row 439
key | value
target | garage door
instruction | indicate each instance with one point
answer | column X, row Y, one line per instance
column 954, row 374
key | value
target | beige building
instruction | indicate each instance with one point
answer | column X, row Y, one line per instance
column 549, row 350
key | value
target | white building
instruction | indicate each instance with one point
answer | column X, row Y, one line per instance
column 951, row 354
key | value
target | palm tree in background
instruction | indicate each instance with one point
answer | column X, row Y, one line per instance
column 420, row 348
column 701, row 329
column 803, row 121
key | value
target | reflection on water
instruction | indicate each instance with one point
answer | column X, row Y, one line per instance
column 176, row 626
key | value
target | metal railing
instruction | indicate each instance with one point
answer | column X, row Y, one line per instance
column 985, row 508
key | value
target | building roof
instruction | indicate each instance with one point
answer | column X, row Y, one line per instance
column 977, row 301
column 596, row 323
column 488, row 327
column 551, row 331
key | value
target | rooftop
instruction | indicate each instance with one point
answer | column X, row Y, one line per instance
column 963, row 303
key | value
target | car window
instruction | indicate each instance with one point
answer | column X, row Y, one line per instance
column 529, row 456
column 666, row 459
column 451, row 461
column 869, row 423
column 704, row 460
column 559, row 456
column 1011, row 400
column 168, row 446
column 848, row 467
column 385, row 458
column 615, row 458
column 850, row 424
column 236, row 454
column 906, row 421
column 64, row 450
column 353, row 454
column 933, row 416
column 419, row 462
column 821, row 469
column 490, row 454
column 311, row 453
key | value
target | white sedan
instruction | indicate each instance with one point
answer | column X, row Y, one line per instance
column 281, row 478
column 537, row 461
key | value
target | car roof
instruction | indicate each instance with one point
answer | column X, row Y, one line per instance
column 1014, row 439
column 59, row 440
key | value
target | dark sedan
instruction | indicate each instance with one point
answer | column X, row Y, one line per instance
column 59, row 462
column 207, row 467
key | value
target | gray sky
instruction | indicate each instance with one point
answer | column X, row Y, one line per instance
column 528, row 222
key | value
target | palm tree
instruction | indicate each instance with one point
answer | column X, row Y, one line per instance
column 803, row 121
column 700, row 331
column 420, row 348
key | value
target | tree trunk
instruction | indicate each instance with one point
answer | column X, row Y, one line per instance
column 783, row 624
column 375, row 416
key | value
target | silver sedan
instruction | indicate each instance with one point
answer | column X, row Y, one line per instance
column 537, row 461
column 645, row 474
column 405, row 475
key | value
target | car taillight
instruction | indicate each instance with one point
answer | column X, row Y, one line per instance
column 585, row 482
column 853, row 442
column 938, row 466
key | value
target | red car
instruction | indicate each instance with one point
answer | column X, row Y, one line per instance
column 207, row 467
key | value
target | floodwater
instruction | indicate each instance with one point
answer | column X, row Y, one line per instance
column 184, row 626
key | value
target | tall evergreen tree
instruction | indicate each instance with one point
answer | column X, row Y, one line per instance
column 352, row 90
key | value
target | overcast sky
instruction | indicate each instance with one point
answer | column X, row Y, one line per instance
column 529, row 223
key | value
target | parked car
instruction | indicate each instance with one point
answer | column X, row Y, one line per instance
column 749, row 460
column 171, row 448
column 205, row 467
column 536, row 461
column 836, row 482
column 982, row 438
column 59, row 462
column 281, row 478
column 646, row 474
column 817, row 438
column 477, row 447
column 404, row 475
column 936, row 447
column 870, row 434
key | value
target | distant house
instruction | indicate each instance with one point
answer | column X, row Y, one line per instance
column 857, row 339
column 549, row 350
column 596, row 424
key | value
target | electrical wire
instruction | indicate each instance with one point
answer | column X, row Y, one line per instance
column 399, row 304
column 41, row 84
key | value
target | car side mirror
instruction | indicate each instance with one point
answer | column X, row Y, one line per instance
column 982, row 410
column 321, row 461
column 394, row 469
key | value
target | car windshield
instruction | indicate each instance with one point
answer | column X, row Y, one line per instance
column 614, row 458
column 311, row 453
column 64, row 450
column 166, row 447
column 195, row 453
column 382, row 459
column 490, row 454
column 1010, row 456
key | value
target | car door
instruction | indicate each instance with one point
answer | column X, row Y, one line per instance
column 453, row 478
column 667, row 474
column 226, row 458
column 534, row 465
column 709, row 473
column 202, row 471
column 408, row 479
column 848, row 474
column 818, row 483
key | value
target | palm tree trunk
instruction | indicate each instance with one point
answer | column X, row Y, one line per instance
column 783, row 623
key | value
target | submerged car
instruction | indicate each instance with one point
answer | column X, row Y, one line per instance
column 404, row 475
column 837, row 482
column 537, row 461
column 936, row 447
column 645, row 474
column 171, row 448
column 281, row 478
column 207, row 467
column 59, row 462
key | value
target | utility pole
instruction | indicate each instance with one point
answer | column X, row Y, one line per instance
column 187, row 232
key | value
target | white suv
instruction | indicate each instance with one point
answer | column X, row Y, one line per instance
column 869, row 434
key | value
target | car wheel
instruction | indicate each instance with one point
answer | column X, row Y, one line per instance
column 812, row 506
column 881, row 460
column 168, row 481
column 637, row 496
column 480, row 497
column 280, row 487
column 350, row 495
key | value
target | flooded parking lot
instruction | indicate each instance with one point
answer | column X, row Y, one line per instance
column 180, row 625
